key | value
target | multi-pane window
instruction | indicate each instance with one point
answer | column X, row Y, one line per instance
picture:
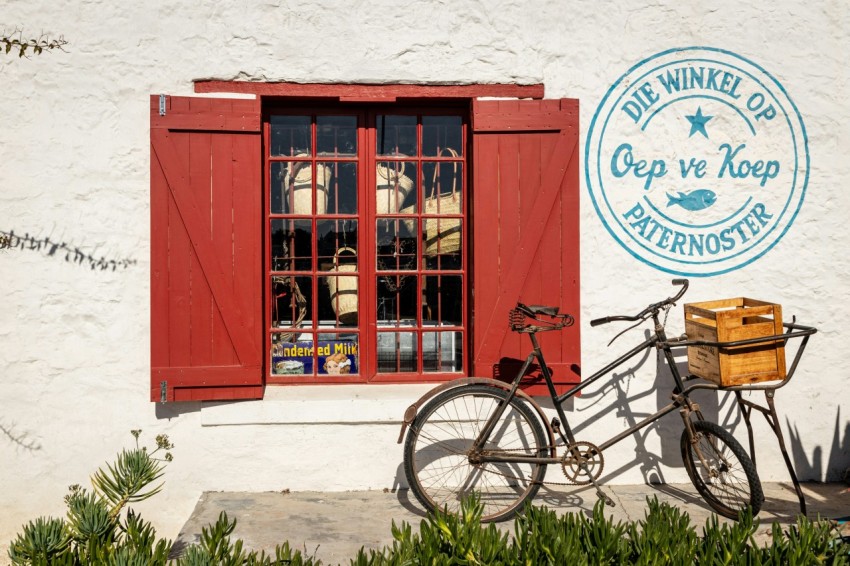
column 366, row 245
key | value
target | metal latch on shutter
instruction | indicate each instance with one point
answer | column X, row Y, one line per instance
column 162, row 105
column 163, row 391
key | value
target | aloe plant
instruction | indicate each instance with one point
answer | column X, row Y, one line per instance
column 95, row 530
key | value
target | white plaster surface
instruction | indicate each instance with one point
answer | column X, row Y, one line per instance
column 74, row 167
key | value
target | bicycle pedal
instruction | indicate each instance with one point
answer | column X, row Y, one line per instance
column 604, row 497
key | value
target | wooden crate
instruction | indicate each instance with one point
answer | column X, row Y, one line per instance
column 730, row 320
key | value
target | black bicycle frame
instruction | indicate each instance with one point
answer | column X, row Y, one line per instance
column 680, row 393
column 657, row 340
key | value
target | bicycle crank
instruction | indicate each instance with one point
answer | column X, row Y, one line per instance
column 582, row 463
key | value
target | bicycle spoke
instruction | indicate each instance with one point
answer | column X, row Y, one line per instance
column 442, row 467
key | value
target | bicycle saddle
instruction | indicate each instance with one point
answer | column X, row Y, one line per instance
column 540, row 309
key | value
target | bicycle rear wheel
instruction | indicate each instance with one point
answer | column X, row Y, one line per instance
column 721, row 470
column 437, row 452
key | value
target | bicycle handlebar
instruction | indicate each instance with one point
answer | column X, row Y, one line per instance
column 651, row 309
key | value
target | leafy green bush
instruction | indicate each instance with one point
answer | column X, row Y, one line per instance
column 664, row 536
column 100, row 528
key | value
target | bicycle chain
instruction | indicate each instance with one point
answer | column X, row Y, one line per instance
column 591, row 447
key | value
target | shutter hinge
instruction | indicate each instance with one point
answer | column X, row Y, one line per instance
column 162, row 105
column 163, row 391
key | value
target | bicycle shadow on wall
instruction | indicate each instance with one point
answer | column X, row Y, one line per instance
column 669, row 429
column 837, row 464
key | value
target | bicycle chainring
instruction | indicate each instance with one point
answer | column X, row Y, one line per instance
column 582, row 463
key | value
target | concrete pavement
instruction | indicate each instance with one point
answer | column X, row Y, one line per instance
column 333, row 526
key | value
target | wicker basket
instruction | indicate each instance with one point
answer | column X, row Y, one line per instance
column 298, row 185
column 442, row 235
column 343, row 289
column 391, row 187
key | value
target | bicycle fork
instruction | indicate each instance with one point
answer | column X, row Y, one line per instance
column 689, row 407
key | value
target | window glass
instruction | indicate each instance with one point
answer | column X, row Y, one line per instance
column 441, row 132
column 442, row 189
column 290, row 135
column 442, row 300
column 397, row 300
column 338, row 354
column 291, row 245
column 396, row 135
column 340, row 188
column 336, row 135
column 395, row 187
column 291, row 305
column 397, row 352
column 331, row 355
column 296, row 184
column 396, row 244
column 442, row 351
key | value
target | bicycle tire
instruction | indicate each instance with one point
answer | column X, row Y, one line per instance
column 731, row 482
column 436, row 452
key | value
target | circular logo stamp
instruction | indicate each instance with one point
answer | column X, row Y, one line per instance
column 697, row 161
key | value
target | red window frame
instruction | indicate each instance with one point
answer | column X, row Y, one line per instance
column 367, row 216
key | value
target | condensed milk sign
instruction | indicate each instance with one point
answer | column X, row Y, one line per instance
column 697, row 161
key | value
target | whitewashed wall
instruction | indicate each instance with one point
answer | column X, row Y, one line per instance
column 74, row 162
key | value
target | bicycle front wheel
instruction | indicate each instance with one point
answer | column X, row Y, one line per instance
column 441, row 469
column 721, row 470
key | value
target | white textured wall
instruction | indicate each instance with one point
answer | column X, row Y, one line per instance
column 74, row 160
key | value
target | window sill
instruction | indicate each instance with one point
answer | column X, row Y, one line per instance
column 317, row 404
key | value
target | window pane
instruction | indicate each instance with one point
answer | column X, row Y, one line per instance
column 442, row 351
column 277, row 186
column 336, row 135
column 292, row 187
column 442, row 300
column 338, row 294
column 341, row 182
column 339, row 307
column 338, row 354
column 442, row 188
column 397, row 352
column 395, row 187
column 290, row 135
column 292, row 358
column 441, row 132
column 443, row 262
column 396, row 244
column 337, row 242
column 396, row 135
column 441, row 237
column 397, row 300
column 291, row 305
column 292, row 242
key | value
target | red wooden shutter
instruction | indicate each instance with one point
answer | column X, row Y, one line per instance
column 525, row 230
column 206, row 230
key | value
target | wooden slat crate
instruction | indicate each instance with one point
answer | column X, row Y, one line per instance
column 730, row 320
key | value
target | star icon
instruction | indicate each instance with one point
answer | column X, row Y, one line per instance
column 698, row 121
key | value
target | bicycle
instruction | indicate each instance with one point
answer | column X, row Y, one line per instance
column 486, row 436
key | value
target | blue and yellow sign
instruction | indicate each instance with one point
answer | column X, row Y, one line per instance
column 334, row 357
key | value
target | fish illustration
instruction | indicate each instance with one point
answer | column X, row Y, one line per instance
column 694, row 200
